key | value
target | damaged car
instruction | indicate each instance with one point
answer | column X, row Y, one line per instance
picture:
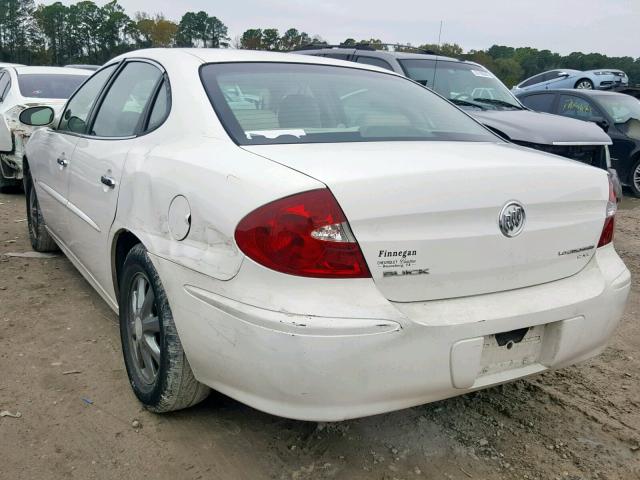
column 23, row 87
column 290, row 231
column 617, row 114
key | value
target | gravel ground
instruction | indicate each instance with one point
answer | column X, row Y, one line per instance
column 62, row 369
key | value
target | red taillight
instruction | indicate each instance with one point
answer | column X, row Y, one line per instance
column 610, row 221
column 306, row 234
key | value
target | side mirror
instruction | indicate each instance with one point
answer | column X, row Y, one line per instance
column 563, row 74
column 37, row 116
column 601, row 122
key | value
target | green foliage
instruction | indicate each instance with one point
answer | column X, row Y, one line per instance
column 201, row 30
column 85, row 32
column 270, row 39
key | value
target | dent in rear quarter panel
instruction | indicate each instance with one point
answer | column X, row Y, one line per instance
column 221, row 182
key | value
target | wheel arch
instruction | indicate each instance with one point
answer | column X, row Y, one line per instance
column 123, row 241
column 581, row 79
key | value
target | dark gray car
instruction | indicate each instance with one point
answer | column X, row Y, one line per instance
column 476, row 90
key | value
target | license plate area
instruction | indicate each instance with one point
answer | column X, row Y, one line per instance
column 511, row 350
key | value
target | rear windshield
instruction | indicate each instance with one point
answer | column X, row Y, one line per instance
column 39, row 85
column 272, row 103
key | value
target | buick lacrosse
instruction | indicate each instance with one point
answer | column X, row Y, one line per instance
column 318, row 239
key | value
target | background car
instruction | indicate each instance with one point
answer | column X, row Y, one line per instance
column 617, row 113
column 476, row 90
column 310, row 253
column 602, row 79
column 83, row 66
column 22, row 87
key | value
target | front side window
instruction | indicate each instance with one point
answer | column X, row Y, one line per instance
column 541, row 102
column 621, row 108
column 576, row 107
column 464, row 84
column 266, row 103
column 74, row 118
column 124, row 105
column 38, row 85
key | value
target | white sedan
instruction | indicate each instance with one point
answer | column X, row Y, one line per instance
column 22, row 87
column 318, row 239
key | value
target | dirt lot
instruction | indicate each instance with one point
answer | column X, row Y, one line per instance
column 61, row 368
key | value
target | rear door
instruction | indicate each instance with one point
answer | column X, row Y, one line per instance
column 98, row 161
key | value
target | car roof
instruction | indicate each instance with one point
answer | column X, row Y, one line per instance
column 223, row 55
column 51, row 71
column 227, row 55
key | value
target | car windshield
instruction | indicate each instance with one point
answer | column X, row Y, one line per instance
column 38, row 85
column 621, row 107
column 267, row 103
column 465, row 84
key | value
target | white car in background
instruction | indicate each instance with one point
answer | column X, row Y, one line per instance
column 343, row 242
column 22, row 87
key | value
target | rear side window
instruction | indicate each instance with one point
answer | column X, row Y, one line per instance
column 49, row 86
column 124, row 105
column 74, row 118
column 4, row 83
column 161, row 106
column 338, row 56
column 542, row 102
column 267, row 103
column 376, row 62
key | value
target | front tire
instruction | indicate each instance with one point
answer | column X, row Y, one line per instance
column 156, row 364
column 40, row 239
column 584, row 84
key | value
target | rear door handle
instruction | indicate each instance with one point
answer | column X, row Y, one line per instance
column 62, row 162
column 108, row 181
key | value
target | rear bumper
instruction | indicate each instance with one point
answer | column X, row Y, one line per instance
column 326, row 369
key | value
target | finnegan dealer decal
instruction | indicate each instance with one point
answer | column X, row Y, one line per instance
column 398, row 263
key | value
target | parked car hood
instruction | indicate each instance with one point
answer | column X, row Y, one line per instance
column 543, row 128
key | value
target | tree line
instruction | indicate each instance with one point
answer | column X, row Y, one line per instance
column 57, row 34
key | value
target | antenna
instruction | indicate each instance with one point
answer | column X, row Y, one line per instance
column 440, row 34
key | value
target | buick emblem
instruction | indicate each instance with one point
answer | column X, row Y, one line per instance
column 512, row 219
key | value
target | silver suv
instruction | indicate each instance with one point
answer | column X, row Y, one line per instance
column 476, row 90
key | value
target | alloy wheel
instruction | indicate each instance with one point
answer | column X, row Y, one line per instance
column 144, row 329
column 636, row 177
column 585, row 85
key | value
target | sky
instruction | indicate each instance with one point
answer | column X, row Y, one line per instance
column 611, row 27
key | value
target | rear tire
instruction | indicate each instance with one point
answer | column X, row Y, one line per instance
column 157, row 366
column 584, row 84
column 41, row 241
column 634, row 178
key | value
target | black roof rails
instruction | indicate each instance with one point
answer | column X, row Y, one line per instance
column 369, row 46
column 314, row 46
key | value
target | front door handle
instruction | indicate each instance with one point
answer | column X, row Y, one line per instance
column 108, row 181
column 62, row 162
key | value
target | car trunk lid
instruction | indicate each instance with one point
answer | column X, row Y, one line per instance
column 426, row 214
